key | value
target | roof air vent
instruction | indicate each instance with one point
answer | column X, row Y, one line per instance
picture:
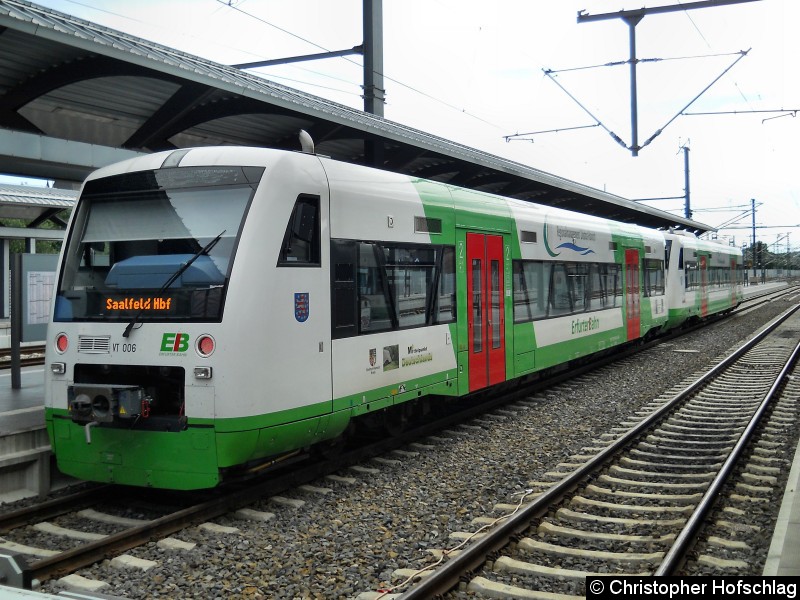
column 306, row 143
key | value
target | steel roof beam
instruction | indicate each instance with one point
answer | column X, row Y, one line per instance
column 155, row 132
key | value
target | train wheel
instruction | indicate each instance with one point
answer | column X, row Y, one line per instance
column 332, row 448
column 396, row 421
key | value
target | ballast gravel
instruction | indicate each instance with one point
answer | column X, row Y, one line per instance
column 351, row 540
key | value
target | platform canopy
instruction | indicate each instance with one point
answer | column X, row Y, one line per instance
column 75, row 96
column 25, row 208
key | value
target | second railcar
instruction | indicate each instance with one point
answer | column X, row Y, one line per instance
column 703, row 277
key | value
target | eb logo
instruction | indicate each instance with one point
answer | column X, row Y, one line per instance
column 175, row 342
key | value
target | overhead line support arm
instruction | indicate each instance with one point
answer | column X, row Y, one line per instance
column 632, row 18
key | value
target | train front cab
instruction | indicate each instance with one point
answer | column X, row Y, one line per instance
column 135, row 395
column 142, row 281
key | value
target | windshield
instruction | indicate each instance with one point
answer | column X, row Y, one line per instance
column 134, row 232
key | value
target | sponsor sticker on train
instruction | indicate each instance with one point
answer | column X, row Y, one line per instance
column 391, row 357
column 374, row 366
column 416, row 355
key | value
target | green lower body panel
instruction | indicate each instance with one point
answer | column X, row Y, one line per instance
column 677, row 316
column 184, row 460
column 239, row 447
column 177, row 460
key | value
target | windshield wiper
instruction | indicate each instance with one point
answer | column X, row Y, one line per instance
column 174, row 277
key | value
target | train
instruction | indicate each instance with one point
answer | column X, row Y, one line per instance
column 218, row 309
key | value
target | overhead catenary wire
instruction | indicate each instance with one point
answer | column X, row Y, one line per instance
column 619, row 63
column 658, row 132
column 551, row 73
column 723, row 208
column 703, row 37
column 518, row 137
column 461, row 110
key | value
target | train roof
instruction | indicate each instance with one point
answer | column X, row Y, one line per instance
column 336, row 169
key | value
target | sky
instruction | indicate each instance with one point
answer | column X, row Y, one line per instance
column 474, row 72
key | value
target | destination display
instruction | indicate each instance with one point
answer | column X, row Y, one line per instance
column 153, row 304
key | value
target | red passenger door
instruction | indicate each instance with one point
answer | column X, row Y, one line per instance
column 632, row 310
column 486, row 314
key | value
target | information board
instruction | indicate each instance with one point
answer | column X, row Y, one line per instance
column 38, row 277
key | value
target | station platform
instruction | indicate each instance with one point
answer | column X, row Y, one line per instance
column 784, row 551
column 22, row 409
column 25, row 457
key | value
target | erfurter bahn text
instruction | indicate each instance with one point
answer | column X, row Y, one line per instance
column 220, row 307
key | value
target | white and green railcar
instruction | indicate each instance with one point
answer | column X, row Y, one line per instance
column 704, row 277
column 220, row 307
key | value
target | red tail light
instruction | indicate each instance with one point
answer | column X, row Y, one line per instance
column 205, row 345
column 62, row 343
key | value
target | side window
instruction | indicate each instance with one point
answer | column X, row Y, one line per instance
column 375, row 308
column 560, row 293
column 599, row 291
column 343, row 288
column 691, row 275
column 522, row 300
column 613, row 285
column 578, row 274
column 384, row 287
column 445, row 311
column 653, row 270
column 554, row 289
column 301, row 242
column 531, row 289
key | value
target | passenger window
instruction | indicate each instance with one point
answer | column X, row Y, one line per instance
column 692, row 279
column 599, row 291
column 531, row 290
column 477, row 306
column 343, row 284
column 555, row 289
column 384, row 287
column 560, row 296
column 375, row 309
column 614, row 283
column 301, row 242
column 446, row 302
column 578, row 274
column 653, row 277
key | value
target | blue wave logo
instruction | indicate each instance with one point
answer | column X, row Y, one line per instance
column 571, row 246
column 566, row 245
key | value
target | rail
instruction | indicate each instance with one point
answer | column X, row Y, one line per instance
column 471, row 558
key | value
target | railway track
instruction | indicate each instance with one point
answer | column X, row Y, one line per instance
column 122, row 536
column 633, row 504
column 66, row 526
column 75, row 547
column 29, row 356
